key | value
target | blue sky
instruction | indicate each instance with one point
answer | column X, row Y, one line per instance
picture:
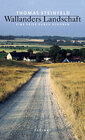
column 9, row 7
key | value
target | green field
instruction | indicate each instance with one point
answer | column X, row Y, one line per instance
column 24, row 50
column 72, row 47
column 37, row 45
column 19, row 48
column 29, row 45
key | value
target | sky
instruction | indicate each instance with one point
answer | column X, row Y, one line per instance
column 9, row 7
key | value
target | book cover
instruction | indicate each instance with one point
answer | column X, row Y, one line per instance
column 42, row 66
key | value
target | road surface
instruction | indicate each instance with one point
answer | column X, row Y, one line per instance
column 32, row 113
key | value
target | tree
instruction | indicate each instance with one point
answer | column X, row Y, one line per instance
column 30, row 50
column 59, row 57
column 55, row 53
column 76, row 52
column 82, row 51
column 39, row 57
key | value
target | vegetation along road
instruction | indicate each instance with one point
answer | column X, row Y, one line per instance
column 32, row 113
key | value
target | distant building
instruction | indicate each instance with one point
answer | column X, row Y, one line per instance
column 66, row 60
column 9, row 56
column 72, row 59
column 32, row 57
column 76, row 59
column 46, row 56
column 46, row 59
column 26, row 59
column 17, row 55
column 26, row 56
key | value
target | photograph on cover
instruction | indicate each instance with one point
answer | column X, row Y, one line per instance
column 42, row 70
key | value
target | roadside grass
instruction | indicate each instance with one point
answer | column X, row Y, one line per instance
column 68, row 85
column 13, row 75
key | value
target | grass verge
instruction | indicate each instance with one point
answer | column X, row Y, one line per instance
column 68, row 85
column 13, row 75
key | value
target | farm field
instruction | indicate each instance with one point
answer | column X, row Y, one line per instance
column 23, row 49
column 25, row 44
column 23, row 40
column 39, row 46
column 35, row 45
column 7, row 50
column 36, row 48
column 13, row 75
column 68, row 85
column 72, row 47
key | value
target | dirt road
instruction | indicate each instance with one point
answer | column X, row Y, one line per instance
column 33, row 113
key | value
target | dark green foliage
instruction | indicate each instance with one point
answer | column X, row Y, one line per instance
column 30, row 50
column 82, row 52
column 39, row 57
column 3, row 55
column 56, row 54
column 76, row 52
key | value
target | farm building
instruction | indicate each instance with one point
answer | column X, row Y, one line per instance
column 46, row 56
column 9, row 56
column 73, row 59
column 65, row 60
column 26, row 56
column 76, row 59
column 47, row 59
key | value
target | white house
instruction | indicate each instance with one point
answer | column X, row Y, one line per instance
column 21, row 56
column 65, row 60
column 29, row 59
column 33, row 60
column 9, row 56
column 46, row 59
column 26, row 59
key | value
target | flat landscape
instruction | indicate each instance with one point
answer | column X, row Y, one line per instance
column 52, row 103
column 34, row 44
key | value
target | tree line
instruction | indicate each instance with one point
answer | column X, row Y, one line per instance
column 58, row 55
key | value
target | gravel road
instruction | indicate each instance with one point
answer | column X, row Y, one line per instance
column 32, row 113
